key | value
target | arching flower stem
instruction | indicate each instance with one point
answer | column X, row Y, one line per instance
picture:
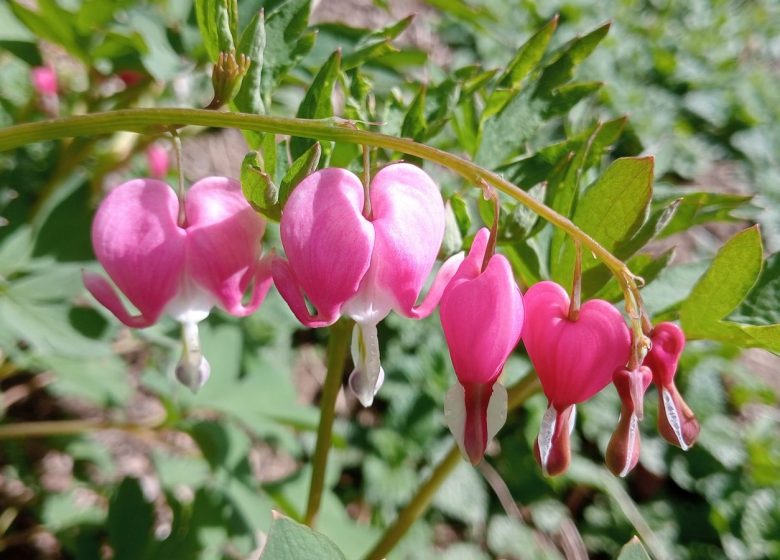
column 181, row 193
column 489, row 193
column 366, row 181
column 334, row 129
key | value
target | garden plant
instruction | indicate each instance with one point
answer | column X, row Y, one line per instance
column 285, row 279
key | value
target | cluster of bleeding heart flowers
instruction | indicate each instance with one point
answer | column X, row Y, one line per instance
column 362, row 251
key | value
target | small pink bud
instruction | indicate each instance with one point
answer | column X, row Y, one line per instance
column 44, row 80
column 573, row 358
column 130, row 78
column 676, row 422
column 482, row 318
column 158, row 161
column 624, row 445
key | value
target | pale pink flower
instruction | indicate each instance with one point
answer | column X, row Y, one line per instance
column 482, row 318
column 360, row 266
column 676, row 422
column 574, row 361
column 44, row 80
column 158, row 161
column 181, row 270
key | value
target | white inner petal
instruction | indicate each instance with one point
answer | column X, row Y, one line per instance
column 633, row 433
column 368, row 375
column 546, row 433
column 455, row 414
column 496, row 411
column 193, row 370
column 673, row 417
column 371, row 304
column 192, row 304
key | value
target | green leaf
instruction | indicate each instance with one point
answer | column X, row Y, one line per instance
column 415, row 123
column 731, row 276
column 318, row 101
column 564, row 97
column 762, row 305
column 570, row 56
column 286, row 40
column 528, row 56
column 368, row 53
column 52, row 23
column 130, row 521
column 217, row 24
column 249, row 98
column 258, row 187
column 703, row 207
column 610, row 211
column 633, row 550
column 298, row 171
column 288, row 539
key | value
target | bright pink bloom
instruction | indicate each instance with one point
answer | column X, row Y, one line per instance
column 163, row 267
column 624, row 445
column 676, row 422
column 482, row 318
column 574, row 360
column 44, row 80
column 157, row 160
column 346, row 263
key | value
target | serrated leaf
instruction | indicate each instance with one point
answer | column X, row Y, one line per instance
column 570, row 56
column 610, row 211
column 528, row 56
column 318, row 101
column 289, row 539
column 633, row 550
column 130, row 521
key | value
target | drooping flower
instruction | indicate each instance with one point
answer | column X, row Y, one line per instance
column 482, row 317
column 575, row 359
column 676, row 422
column 44, row 80
column 181, row 268
column 157, row 160
column 346, row 263
column 623, row 448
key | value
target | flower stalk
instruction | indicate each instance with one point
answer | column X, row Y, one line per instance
column 338, row 346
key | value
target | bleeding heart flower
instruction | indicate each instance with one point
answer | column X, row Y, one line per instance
column 676, row 422
column 482, row 318
column 624, row 445
column 574, row 359
column 362, row 266
column 157, row 160
column 182, row 270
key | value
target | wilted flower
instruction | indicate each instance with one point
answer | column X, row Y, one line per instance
column 183, row 269
column 575, row 359
column 676, row 422
column 361, row 266
column 482, row 318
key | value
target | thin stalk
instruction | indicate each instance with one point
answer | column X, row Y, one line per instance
column 181, row 193
column 338, row 346
column 576, row 288
column 490, row 250
column 334, row 129
column 366, row 182
column 71, row 427
column 518, row 394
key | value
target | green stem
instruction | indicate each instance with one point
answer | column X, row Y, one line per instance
column 338, row 346
column 338, row 130
column 518, row 394
column 71, row 427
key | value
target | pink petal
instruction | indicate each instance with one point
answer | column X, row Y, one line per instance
column 136, row 239
column 482, row 316
column 328, row 244
column 474, row 415
column 223, row 243
column 668, row 343
column 574, row 359
column 106, row 295
column 157, row 160
column 44, row 80
column 408, row 217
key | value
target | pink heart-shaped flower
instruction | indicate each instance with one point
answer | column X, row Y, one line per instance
column 574, row 359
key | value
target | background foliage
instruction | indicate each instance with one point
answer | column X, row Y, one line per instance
column 566, row 106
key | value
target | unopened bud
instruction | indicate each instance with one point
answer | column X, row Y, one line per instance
column 226, row 77
column 624, row 445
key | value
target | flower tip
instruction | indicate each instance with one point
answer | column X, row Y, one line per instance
column 676, row 421
column 552, row 448
column 193, row 376
column 362, row 388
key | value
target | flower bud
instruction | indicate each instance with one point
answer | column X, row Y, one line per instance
column 624, row 445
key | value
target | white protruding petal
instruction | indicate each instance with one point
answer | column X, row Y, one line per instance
column 496, row 411
column 191, row 304
column 368, row 375
column 193, row 370
column 546, row 433
column 673, row 417
column 633, row 433
column 572, row 418
column 455, row 414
